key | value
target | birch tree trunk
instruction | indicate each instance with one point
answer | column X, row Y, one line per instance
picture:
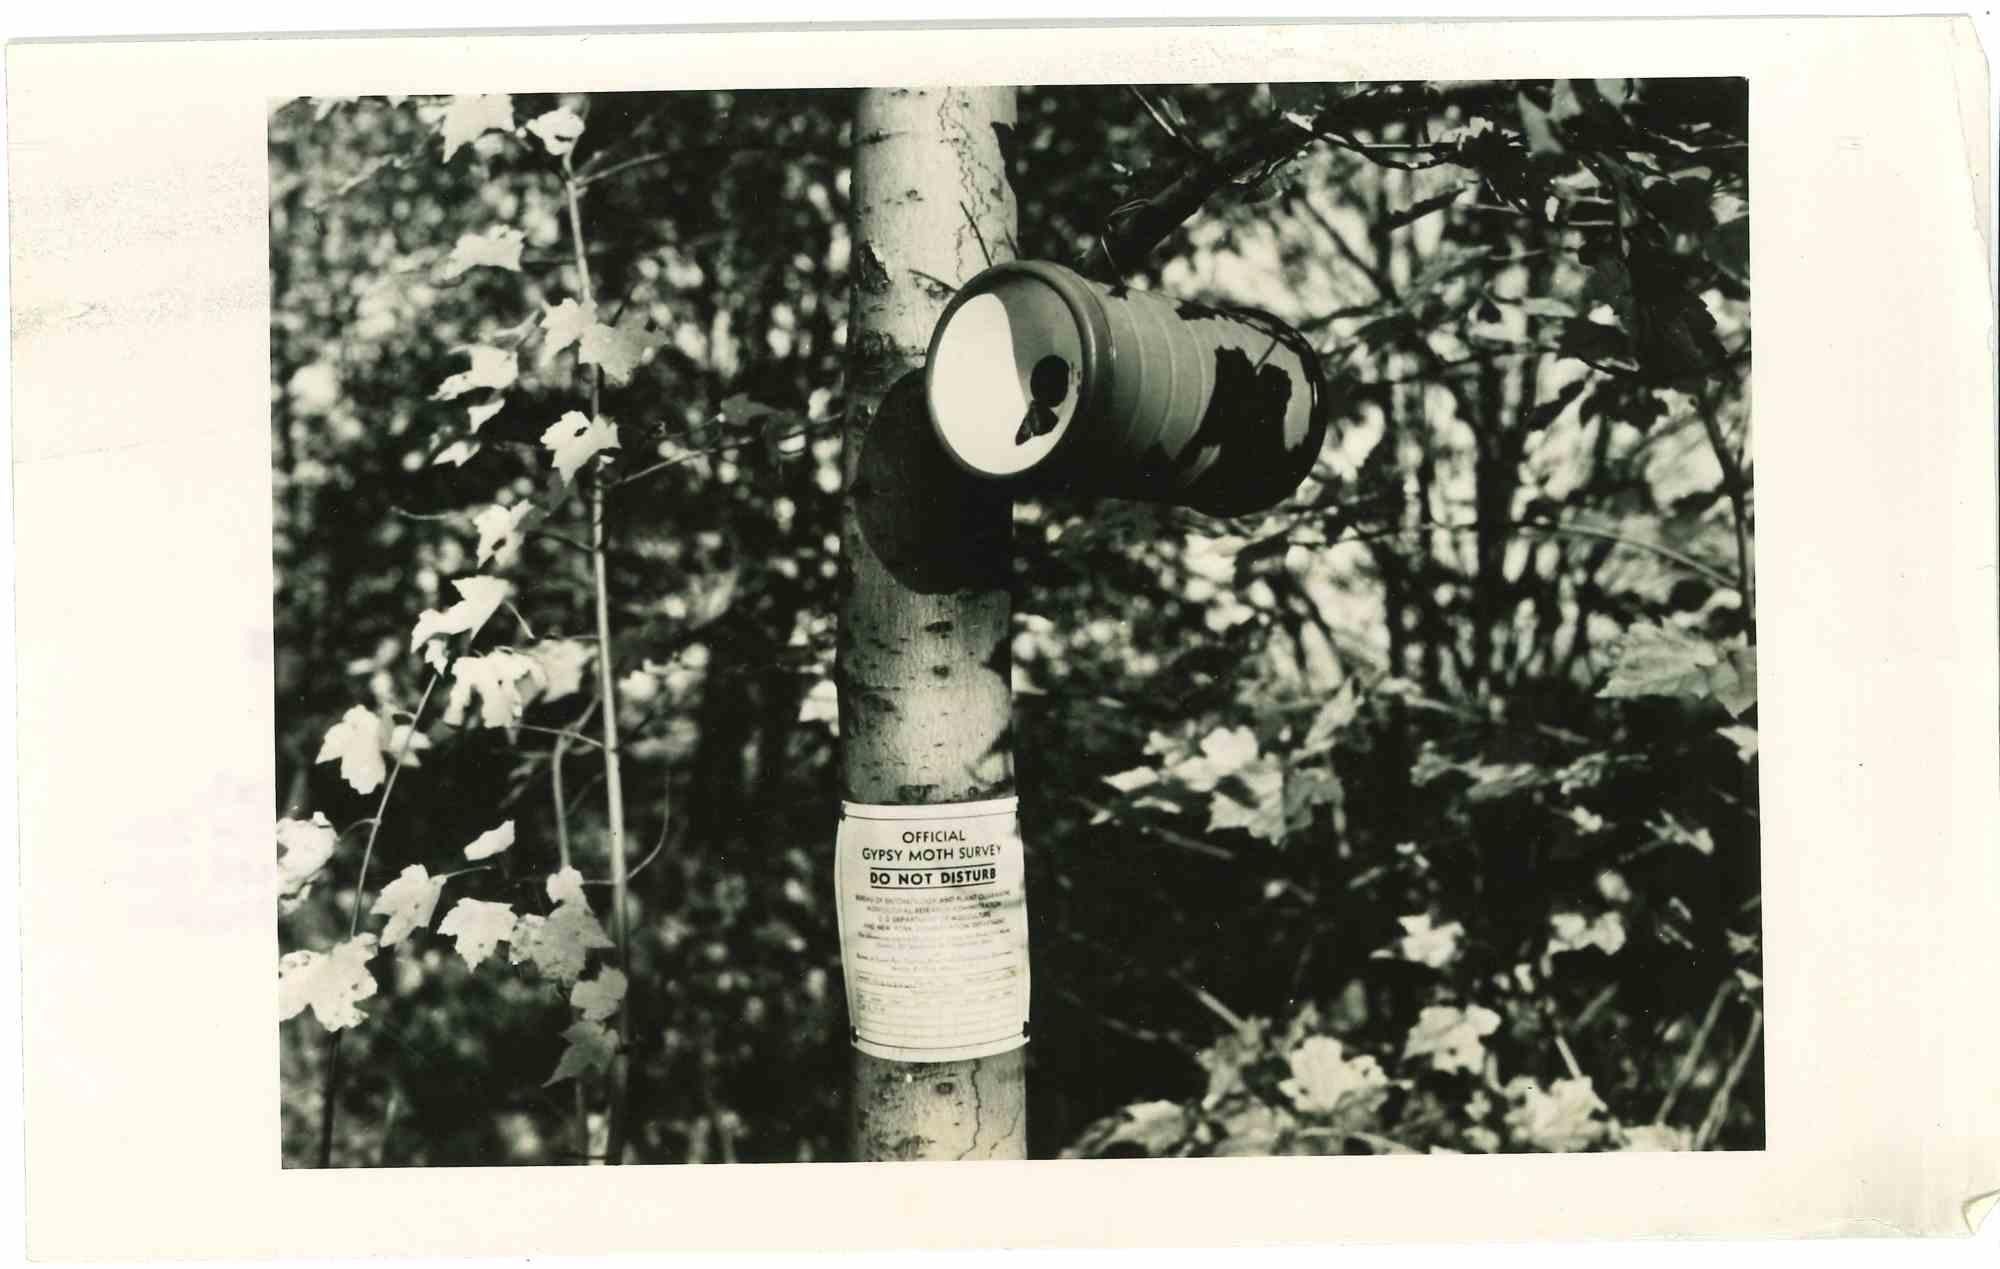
column 924, row 626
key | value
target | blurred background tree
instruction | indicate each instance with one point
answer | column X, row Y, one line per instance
column 1380, row 821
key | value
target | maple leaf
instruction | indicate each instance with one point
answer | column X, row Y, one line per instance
column 1426, row 944
column 1451, row 1037
column 500, row 533
column 616, row 350
column 574, row 440
column 565, row 886
column 497, row 248
column 822, row 705
column 1660, row 661
column 1744, row 738
column 357, row 741
column 478, row 599
column 559, row 944
column 409, row 902
column 563, row 324
column 1224, row 751
column 469, row 117
column 1264, row 815
column 1132, row 781
column 437, row 655
column 1733, row 680
column 1226, row 1060
column 496, row 677
column 401, row 738
column 562, row 662
column 491, row 842
column 477, row 415
column 1323, row 1077
column 600, row 997
column 479, row 927
column 592, row 1046
column 307, row 845
column 330, row 982
column 1332, row 718
column 491, row 367
column 558, row 130
column 1654, row 1137
column 1573, row 932
column 1561, row 1119
column 456, row 454
column 1671, row 830
column 1153, row 1128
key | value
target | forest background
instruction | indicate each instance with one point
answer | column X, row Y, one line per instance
column 1419, row 813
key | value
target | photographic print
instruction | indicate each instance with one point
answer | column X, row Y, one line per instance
column 1069, row 621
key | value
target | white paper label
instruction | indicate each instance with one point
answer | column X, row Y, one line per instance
column 933, row 914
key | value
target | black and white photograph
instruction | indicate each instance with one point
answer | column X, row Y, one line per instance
column 1225, row 621
column 1135, row 620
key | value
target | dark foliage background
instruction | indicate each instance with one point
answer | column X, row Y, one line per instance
column 1268, row 764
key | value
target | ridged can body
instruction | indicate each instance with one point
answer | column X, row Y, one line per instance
column 1110, row 390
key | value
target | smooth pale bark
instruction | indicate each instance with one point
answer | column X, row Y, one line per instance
column 924, row 664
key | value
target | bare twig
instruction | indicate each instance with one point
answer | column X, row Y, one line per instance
column 1164, row 834
column 1718, row 1108
column 1569, row 1058
column 1693, row 1055
column 566, row 735
column 1737, row 488
column 1143, row 222
column 614, row 791
column 690, row 455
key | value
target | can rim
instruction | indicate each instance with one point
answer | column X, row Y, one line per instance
column 1093, row 336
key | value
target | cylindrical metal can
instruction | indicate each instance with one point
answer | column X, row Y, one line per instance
column 1039, row 375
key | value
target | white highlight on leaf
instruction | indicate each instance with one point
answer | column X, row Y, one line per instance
column 477, row 415
column 408, row 903
column 563, row 324
column 1224, row 752
column 491, row 367
column 1264, row 815
column 306, row 845
column 1427, row 944
column 822, row 705
column 468, row 117
column 1133, row 780
column 1322, row 1076
column 1744, row 738
column 356, row 740
column 574, row 440
column 558, row 130
column 478, row 599
column 1574, row 932
column 600, row 997
column 1654, row 1137
column 479, row 927
column 496, row 678
column 329, row 982
column 456, row 454
column 1451, row 1038
column 565, row 886
column 499, row 531
column 1559, row 1120
column 491, row 842
column 497, row 248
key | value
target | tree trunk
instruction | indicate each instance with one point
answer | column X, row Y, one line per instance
column 924, row 631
